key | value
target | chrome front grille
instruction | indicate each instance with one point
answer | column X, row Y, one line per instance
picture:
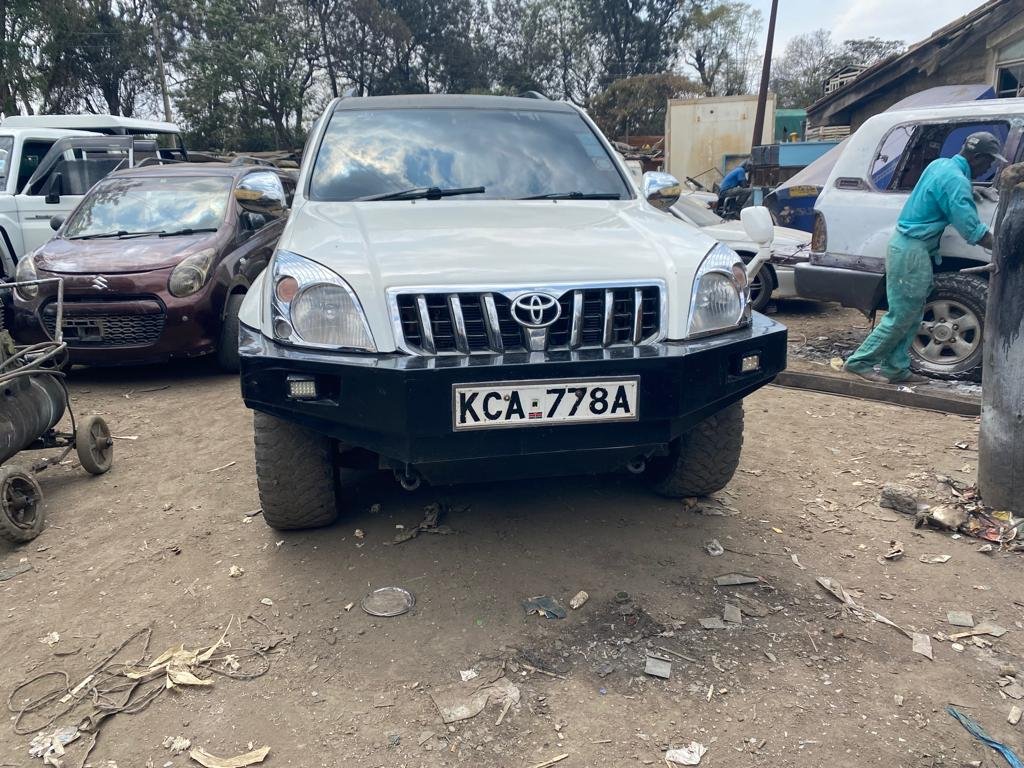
column 434, row 322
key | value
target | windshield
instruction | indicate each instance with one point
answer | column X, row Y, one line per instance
column 512, row 154
column 151, row 204
column 6, row 150
column 696, row 212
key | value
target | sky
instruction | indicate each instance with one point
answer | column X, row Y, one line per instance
column 889, row 19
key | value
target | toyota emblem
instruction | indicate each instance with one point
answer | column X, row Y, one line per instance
column 536, row 310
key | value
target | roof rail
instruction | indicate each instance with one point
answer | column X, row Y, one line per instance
column 157, row 160
column 533, row 95
column 249, row 160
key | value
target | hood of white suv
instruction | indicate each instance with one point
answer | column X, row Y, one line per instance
column 376, row 246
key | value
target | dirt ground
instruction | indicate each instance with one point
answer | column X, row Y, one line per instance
column 798, row 683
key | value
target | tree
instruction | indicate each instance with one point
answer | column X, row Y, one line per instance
column 637, row 105
column 721, row 45
column 19, row 19
column 799, row 74
column 637, row 37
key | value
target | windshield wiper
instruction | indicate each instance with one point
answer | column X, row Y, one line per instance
column 428, row 193
column 121, row 233
column 187, row 231
column 575, row 196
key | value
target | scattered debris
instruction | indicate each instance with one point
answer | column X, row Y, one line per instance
column 578, row 600
column 901, row 498
column 388, row 601
column 1015, row 714
column 732, row 614
column 1014, row 691
column 897, row 700
column 735, row 580
column 223, row 466
column 177, row 744
column 960, row 618
column 544, row 606
column 688, row 755
column 658, row 667
column 51, row 745
column 979, row 733
column 17, row 570
column 429, row 524
column 957, row 647
column 672, row 653
column 234, row 571
column 935, row 559
column 51, row 638
column 946, row 517
column 254, row 512
column 895, row 552
column 464, row 700
column 714, row 548
column 359, row 533
column 751, row 606
column 922, row 644
column 468, row 674
column 266, row 601
column 796, row 562
column 985, row 628
column 552, row 761
column 712, row 622
column 204, row 758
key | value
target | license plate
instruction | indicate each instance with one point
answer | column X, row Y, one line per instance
column 543, row 403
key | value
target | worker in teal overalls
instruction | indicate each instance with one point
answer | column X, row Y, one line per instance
column 943, row 196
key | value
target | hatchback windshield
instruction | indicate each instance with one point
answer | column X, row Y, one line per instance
column 511, row 154
column 6, row 147
column 151, row 204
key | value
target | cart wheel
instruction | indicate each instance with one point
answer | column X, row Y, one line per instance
column 21, row 518
column 94, row 446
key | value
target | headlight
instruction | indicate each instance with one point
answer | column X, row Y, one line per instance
column 719, row 300
column 26, row 270
column 312, row 306
column 190, row 275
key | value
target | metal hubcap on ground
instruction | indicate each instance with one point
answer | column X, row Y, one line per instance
column 20, row 502
column 949, row 334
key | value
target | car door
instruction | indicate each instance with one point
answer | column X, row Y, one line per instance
column 257, row 233
column 62, row 177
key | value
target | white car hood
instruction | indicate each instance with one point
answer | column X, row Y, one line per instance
column 447, row 244
column 732, row 234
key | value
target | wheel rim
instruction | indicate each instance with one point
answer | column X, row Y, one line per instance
column 949, row 333
column 20, row 502
column 756, row 286
column 100, row 443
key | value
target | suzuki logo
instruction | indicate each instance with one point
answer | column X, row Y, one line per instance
column 99, row 283
column 536, row 310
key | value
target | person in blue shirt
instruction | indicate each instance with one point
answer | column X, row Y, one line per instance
column 737, row 177
column 734, row 190
column 943, row 196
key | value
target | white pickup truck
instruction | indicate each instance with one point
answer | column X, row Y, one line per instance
column 48, row 162
column 856, row 213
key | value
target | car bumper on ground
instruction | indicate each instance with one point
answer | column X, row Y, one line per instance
column 402, row 407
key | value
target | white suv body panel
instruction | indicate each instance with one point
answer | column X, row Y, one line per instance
column 861, row 220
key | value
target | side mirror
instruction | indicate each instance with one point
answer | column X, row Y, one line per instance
column 662, row 190
column 758, row 224
column 56, row 222
column 261, row 193
column 53, row 189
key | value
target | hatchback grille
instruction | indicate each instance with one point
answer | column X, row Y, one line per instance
column 482, row 322
column 96, row 328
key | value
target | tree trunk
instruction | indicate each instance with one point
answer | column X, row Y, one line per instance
column 1001, row 448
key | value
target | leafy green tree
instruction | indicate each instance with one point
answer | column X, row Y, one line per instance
column 721, row 44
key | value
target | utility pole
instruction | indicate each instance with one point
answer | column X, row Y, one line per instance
column 1001, row 447
column 160, row 73
column 766, row 71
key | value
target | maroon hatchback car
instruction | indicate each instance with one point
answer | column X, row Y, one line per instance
column 155, row 262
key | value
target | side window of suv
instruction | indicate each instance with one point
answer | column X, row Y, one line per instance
column 889, row 154
column 32, row 151
column 932, row 141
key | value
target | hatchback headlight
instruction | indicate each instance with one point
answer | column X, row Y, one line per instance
column 312, row 306
column 719, row 301
column 191, row 274
column 26, row 270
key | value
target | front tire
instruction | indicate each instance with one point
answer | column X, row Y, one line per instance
column 295, row 473
column 949, row 344
column 703, row 460
column 227, row 346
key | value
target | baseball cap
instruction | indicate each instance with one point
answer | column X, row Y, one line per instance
column 984, row 143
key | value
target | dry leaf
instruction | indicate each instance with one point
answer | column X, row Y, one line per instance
column 203, row 757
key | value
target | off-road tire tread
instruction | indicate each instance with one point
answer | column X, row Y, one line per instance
column 704, row 459
column 975, row 290
column 295, row 474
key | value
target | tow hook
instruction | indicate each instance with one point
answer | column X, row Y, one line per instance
column 637, row 465
column 408, row 478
